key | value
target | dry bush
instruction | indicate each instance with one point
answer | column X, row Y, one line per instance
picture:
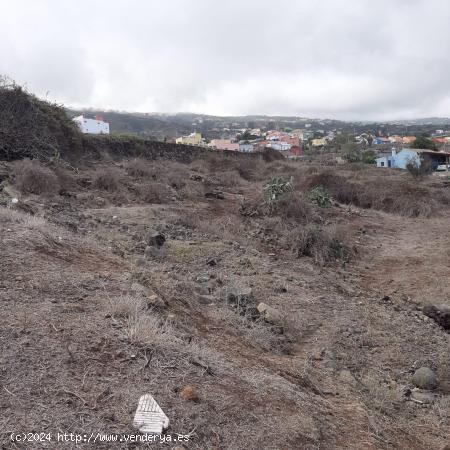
column 324, row 245
column 382, row 397
column 139, row 168
column 199, row 165
column 270, row 155
column 192, row 190
column 400, row 197
column 229, row 227
column 281, row 168
column 176, row 174
column 191, row 220
column 292, row 205
column 358, row 166
column 337, row 185
column 66, row 180
column 107, row 180
column 257, row 333
column 392, row 195
column 154, row 193
column 30, row 127
column 229, row 178
column 31, row 177
column 250, row 169
column 9, row 215
column 151, row 331
column 219, row 162
column 253, row 207
column 125, row 306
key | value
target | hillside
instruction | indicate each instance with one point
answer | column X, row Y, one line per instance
column 169, row 126
column 264, row 304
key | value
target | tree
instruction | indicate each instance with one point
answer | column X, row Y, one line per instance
column 351, row 152
column 368, row 157
column 419, row 167
column 423, row 141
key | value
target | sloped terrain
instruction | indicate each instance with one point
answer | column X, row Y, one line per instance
column 95, row 314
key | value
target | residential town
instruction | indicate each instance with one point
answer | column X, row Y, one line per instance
column 386, row 151
column 381, row 148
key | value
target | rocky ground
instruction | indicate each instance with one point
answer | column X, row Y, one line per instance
column 106, row 296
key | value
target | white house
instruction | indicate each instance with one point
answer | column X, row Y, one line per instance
column 401, row 159
column 92, row 126
column 245, row 147
column 279, row 145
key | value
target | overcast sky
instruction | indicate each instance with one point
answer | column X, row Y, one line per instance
column 345, row 59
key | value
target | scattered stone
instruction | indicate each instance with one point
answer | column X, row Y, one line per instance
column 425, row 378
column 189, row 393
column 204, row 278
column 155, row 301
column 270, row 314
column 280, row 289
column 202, row 289
column 205, row 299
column 241, row 298
column 155, row 252
column 425, row 397
column 140, row 261
column 440, row 314
column 195, row 177
column 213, row 261
column 138, row 288
column 347, row 377
column 156, row 240
column 215, row 194
column 252, row 313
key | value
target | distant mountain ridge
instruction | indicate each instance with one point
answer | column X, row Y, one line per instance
column 168, row 126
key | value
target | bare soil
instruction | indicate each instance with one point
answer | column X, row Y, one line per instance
column 335, row 378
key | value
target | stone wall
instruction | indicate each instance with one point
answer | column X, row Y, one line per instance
column 119, row 147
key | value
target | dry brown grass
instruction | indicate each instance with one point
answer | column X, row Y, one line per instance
column 390, row 194
column 295, row 207
column 324, row 245
column 31, row 177
column 154, row 192
column 125, row 306
column 228, row 179
column 107, row 179
column 66, row 180
column 151, row 331
column 9, row 215
column 250, row 169
column 257, row 333
column 140, row 168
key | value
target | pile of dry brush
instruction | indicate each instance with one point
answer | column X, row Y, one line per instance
column 33, row 128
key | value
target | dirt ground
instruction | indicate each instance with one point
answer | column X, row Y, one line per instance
column 83, row 337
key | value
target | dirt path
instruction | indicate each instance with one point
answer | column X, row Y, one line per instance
column 409, row 257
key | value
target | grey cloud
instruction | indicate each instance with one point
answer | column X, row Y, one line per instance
column 353, row 59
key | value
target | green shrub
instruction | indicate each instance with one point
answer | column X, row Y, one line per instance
column 368, row 157
column 274, row 189
column 320, row 196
